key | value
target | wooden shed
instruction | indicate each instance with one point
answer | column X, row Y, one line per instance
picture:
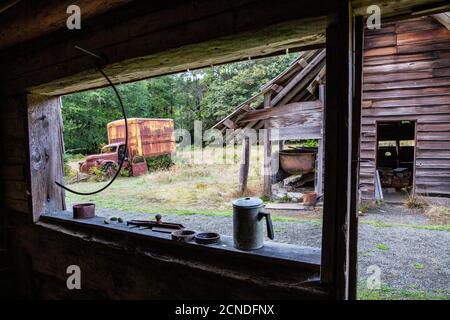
column 407, row 99
column 405, row 116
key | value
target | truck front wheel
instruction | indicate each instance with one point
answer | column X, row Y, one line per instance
column 110, row 168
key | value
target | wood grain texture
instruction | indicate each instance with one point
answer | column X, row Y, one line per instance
column 46, row 154
column 409, row 80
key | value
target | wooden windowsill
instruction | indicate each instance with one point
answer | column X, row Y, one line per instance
column 306, row 258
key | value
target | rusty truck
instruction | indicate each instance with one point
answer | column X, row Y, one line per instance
column 146, row 138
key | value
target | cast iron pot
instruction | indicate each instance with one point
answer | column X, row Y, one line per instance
column 248, row 227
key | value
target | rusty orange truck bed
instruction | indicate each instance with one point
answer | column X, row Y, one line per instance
column 146, row 138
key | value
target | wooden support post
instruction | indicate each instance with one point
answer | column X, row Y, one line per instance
column 319, row 161
column 245, row 164
column 267, row 149
column 358, row 32
column 46, row 154
column 339, row 195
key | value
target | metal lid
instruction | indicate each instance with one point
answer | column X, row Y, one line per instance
column 247, row 202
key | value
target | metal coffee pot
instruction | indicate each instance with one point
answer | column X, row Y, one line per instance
column 248, row 225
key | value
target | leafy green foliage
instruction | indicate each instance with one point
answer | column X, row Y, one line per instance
column 138, row 159
column 125, row 173
column 98, row 174
column 207, row 95
column 163, row 162
column 68, row 170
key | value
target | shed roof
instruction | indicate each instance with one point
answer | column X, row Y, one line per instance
column 299, row 82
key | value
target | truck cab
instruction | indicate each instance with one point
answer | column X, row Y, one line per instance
column 108, row 158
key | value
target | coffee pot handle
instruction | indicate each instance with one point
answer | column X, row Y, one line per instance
column 269, row 225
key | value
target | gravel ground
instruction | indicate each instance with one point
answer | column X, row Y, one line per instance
column 409, row 258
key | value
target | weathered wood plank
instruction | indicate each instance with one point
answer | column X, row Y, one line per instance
column 433, row 135
column 425, row 47
column 380, row 51
column 444, row 126
column 436, row 172
column 433, row 190
column 13, row 151
column 432, row 145
column 297, row 120
column 267, row 188
column 407, row 66
column 244, row 167
column 398, row 117
column 187, row 40
column 12, row 172
column 299, row 89
column 229, row 124
column 421, row 37
column 418, row 83
column 433, row 163
column 420, row 101
column 443, row 18
column 17, row 205
column 391, row 59
column 281, row 111
column 320, row 56
column 380, row 41
column 391, row 77
column 407, row 93
column 295, row 133
column 46, row 154
column 15, row 190
column 416, row 24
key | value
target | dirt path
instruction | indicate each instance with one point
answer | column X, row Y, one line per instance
column 410, row 259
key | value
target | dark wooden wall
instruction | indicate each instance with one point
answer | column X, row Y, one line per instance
column 127, row 37
column 407, row 77
column 14, row 150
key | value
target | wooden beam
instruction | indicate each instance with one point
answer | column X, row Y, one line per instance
column 443, row 18
column 295, row 133
column 245, row 164
column 280, row 111
column 267, row 189
column 166, row 40
column 300, row 119
column 229, row 124
column 24, row 21
column 300, row 87
column 317, row 59
column 355, row 116
column 338, row 147
column 319, row 161
column 46, row 154
column 289, row 71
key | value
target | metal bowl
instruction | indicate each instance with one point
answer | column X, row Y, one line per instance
column 297, row 161
column 83, row 210
column 183, row 235
column 207, row 238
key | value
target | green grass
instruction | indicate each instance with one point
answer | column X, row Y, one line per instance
column 387, row 293
column 184, row 189
column 381, row 224
column 418, row 266
column 382, row 246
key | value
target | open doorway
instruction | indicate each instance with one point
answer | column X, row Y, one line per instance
column 396, row 141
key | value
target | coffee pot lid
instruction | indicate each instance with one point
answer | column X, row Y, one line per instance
column 247, row 202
